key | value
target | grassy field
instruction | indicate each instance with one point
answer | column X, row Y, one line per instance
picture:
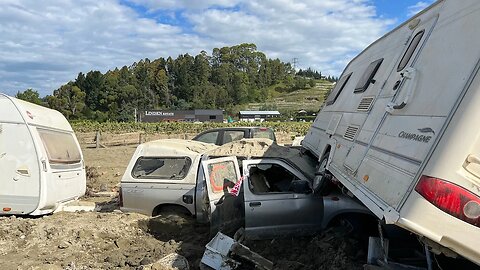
column 309, row 99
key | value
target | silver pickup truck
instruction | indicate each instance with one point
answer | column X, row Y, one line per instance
column 269, row 195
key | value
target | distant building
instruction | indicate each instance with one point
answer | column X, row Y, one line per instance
column 252, row 116
column 181, row 116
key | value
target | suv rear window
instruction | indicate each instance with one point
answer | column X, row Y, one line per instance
column 209, row 137
column 232, row 135
column 263, row 133
column 165, row 168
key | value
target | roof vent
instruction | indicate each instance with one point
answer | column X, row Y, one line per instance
column 351, row 132
column 365, row 104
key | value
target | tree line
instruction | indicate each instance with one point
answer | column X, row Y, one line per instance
column 229, row 77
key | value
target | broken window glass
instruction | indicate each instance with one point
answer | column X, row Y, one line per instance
column 265, row 178
column 165, row 168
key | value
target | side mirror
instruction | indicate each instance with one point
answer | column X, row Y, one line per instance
column 300, row 186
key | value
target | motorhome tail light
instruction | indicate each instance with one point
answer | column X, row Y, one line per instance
column 120, row 197
column 7, row 209
column 263, row 129
column 451, row 199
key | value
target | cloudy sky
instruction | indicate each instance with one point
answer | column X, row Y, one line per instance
column 44, row 44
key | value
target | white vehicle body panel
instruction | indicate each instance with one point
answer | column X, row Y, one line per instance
column 144, row 194
column 31, row 182
column 423, row 120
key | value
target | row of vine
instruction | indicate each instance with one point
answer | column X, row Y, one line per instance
column 299, row 128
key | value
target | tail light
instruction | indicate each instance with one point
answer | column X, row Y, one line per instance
column 120, row 197
column 451, row 198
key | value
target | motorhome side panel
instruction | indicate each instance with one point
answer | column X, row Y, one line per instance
column 405, row 137
column 344, row 118
column 19, row 164
column 413, row 129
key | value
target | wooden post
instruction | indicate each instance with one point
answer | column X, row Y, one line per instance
column 97, row 139
column 140, row 138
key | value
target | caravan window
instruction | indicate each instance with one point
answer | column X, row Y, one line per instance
column 166, row 168
column 409, row 52
column 61, row 147
column 338, row 89
column 367, row 77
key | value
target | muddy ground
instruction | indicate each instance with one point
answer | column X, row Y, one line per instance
column 110, row 239
column 115, row 240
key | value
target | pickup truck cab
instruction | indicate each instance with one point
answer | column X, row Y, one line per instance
column 269, row 195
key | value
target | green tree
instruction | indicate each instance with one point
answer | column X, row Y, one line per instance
column 30, row 95
column 68, row 99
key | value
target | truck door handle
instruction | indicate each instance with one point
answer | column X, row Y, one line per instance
column 255, row 204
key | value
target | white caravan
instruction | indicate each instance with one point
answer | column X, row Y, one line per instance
column 400, row 129
column 41, row 163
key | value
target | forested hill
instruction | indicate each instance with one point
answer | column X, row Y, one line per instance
column 230, row 76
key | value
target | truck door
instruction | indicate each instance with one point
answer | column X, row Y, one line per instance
column 278, row 200
column 226, row 210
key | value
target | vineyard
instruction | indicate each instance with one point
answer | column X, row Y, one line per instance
column 297, row 128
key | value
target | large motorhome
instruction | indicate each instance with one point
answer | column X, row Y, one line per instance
column 41, row 164
column 400, row 129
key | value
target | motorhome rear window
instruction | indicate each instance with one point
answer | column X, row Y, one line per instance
column 367, row 77
column 409, row 52
column 338, row 89
column 61, row 147
column 165, row 168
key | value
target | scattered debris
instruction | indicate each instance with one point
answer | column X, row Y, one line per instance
column 172, row 261
column 222, row 251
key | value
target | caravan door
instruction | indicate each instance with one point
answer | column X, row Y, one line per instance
column 400, row 75
column 226, row 210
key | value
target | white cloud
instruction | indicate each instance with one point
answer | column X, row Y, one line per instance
column 184, row 4
column 45, row 44
column 419, row 6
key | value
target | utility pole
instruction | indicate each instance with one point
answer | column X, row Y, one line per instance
column 295, row 62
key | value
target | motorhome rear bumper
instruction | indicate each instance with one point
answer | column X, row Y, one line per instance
column 420, row 216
